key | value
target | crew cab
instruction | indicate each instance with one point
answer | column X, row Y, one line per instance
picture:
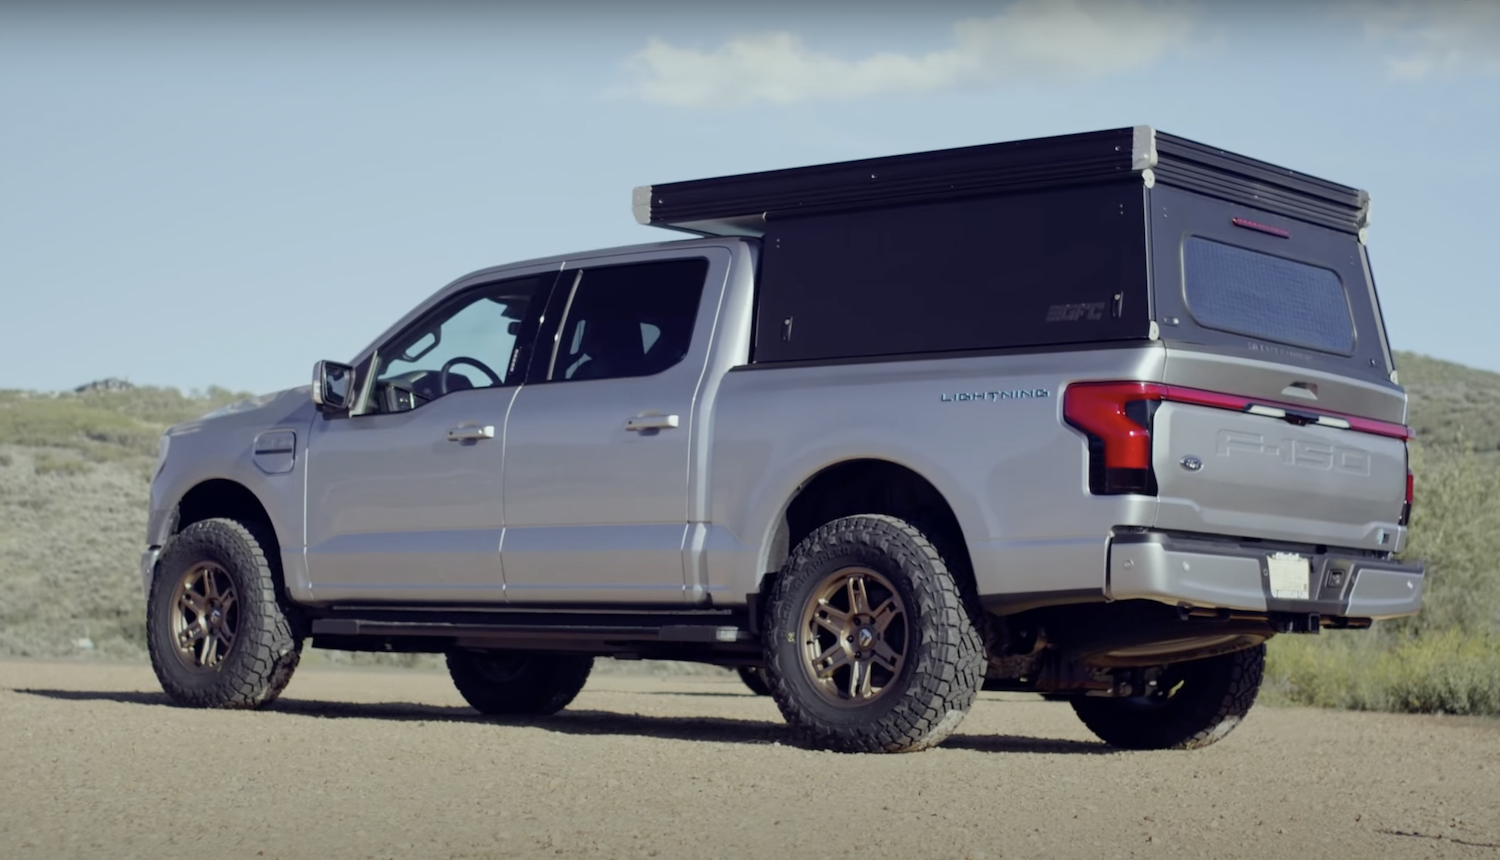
column 1093, row 416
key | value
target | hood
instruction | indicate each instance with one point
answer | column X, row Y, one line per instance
column 266, row 410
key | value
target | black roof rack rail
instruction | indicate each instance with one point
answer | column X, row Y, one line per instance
column 741, row 205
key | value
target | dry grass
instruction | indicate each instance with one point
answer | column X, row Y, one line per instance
column 70, row 537
column 1445, row 671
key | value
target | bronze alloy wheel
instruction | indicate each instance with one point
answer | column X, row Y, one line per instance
column 219, row 633
column 854, row 636
column 205, row 617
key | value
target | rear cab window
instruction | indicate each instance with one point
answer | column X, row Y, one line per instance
column 628, row 320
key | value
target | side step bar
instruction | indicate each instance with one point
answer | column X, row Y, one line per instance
column 648, row 633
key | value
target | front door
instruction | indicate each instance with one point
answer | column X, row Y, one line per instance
column 404, row 495
column 597, row 445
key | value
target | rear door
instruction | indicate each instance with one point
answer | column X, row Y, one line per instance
column 598, row 443
column 1282, row 317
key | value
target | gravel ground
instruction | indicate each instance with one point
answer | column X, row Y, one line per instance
column 374, row 764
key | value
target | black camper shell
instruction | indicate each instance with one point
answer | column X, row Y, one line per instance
column 1064, row 242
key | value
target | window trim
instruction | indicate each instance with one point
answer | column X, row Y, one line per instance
column 561, row 318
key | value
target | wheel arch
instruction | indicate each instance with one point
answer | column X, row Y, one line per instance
column 229, row 499
column 867, row 485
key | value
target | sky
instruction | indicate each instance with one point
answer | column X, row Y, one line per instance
column 210, row 193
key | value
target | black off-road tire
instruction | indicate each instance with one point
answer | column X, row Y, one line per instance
column 512, row 683
column 755, row 679
column 265, row 650
column 926, row 699
column 1211, row 697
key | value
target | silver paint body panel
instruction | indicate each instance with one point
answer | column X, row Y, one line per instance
column 1382, row 594
column 221, row 446
column 395, row 509
column 1014, row 474
column 1149, row 571
column 1266, row 478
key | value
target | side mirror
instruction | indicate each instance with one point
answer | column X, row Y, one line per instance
column 333, row 387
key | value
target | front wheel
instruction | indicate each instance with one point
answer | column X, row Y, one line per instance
column 217, row 630
column 510, row 683
column 869, row 647
column 1195, row 704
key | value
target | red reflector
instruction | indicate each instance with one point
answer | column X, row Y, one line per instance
column 1261, row 228
column 1411, row 482
column 1199, row 397
column 1370, row 425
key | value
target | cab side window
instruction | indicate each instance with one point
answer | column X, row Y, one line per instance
column 622, row 321
column 480, row 338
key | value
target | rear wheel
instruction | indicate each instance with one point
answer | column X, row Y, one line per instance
column 513, row 683
column 868, row 646
column 755, row 679
column 1195, row 704
column 217, row 629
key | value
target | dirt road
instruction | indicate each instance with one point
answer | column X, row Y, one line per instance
column 377, row 764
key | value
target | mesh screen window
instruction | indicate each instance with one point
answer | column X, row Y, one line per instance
column 1268, row 297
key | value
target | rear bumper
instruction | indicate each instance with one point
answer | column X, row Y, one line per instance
column 1220, row 573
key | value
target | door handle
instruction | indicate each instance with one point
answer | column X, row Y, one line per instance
column 471, row 433
column 652, row 422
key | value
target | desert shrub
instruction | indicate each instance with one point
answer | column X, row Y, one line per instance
column 1447, row 671
column 68, row 423
column 1453, row 407
column 73, row 516
column 158, row 407
column 103, row 426
column 1456, row 529
column 53, row 464
column 1445, row 659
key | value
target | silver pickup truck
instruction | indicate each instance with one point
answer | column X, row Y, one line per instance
column 1092, row 416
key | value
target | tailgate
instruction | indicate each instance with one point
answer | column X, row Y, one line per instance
column 1246, row 475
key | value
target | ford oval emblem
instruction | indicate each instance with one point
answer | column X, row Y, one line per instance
column 1191, row 463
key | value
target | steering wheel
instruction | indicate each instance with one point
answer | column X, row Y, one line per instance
column 472, row 362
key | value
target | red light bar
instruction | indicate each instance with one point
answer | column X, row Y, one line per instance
column 1242, row 404
column 1261, row 228
column 1105, row 411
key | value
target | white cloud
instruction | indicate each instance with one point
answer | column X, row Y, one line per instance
column 1435, row 36
column 1031, row 39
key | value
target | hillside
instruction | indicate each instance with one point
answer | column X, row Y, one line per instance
column 1452, row 406
column 74, row 469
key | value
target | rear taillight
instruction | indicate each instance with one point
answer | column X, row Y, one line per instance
column 1411, row 487
column 1117, row 418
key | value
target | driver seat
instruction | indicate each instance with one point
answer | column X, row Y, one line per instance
column 614, row 349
